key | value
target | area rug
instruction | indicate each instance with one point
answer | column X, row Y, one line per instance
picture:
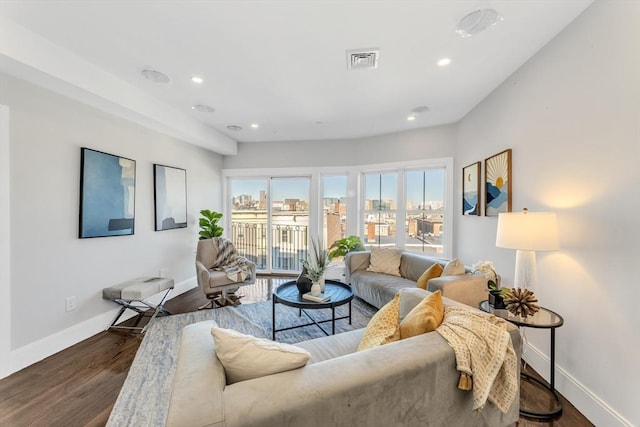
column 144, row 397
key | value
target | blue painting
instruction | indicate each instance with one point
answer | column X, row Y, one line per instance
column 170, row 195
column 107, row 194
column 498, row 183
column 471, row 189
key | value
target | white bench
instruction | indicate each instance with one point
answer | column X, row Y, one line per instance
column 132, row 294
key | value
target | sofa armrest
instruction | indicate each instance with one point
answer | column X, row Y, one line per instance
column 198, row 385
column 356, row 261
column 469, row 290
column 202, row 274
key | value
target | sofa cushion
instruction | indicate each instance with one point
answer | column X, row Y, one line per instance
column 385, row 260
column 432, row 272
column 332, row 346
column 425, row 317
column 378, row 289
column 383, row 326
column 245, row 357
column 453, row 268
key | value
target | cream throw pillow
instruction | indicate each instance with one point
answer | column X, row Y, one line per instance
column 245, row 357
column 385, row 260
column 432, row 272
column 383, row 326
column 425, row 317
column 453, row 268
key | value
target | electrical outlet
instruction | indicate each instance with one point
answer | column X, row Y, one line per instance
column 70, row 303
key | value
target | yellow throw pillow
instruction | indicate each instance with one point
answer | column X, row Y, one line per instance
column 425, row 317
column 434, row 271
column 383, row 326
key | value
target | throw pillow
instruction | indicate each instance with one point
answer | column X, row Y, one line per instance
column 385, row 260
column 383, row 326
column 434, row 271
column 453, row 268
column 425, row 317
column 245, row 357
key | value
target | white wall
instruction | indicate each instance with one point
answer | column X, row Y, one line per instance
column 428, row 143
column 48, row 261
column 571, row 116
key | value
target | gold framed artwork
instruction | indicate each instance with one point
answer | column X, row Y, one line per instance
column 497, row 183
column 471, row 189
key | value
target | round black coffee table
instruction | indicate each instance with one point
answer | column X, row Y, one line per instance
column 288, row 294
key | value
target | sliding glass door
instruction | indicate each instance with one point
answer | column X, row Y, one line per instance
column 270, row 221
column 289, row 214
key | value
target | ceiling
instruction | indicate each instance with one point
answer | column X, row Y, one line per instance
column 278, row 64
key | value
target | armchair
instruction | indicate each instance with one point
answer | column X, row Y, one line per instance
column 215, row 276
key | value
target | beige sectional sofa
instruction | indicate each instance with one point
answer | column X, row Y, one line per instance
column 378, row 289
column 412, row 382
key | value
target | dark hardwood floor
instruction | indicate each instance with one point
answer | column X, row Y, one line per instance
column 79, row 385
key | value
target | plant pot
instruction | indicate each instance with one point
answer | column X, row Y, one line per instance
column 315, row 289
column 303, row 282
column 495, row 300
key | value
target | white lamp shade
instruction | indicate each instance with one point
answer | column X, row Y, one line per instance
column 530, row 231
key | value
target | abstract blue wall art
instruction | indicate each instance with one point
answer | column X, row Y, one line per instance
column 471, row 189
column 497, row 170
column 107, row 194
column 170, row 195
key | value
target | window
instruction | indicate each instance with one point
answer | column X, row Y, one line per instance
column 271, row 214
column 334, row 208
column 424, row 220
column 380, row 205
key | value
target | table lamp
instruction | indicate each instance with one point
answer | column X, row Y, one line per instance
column 527, row 232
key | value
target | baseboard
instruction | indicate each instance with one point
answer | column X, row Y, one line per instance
column 41, row 349
column 587, row 402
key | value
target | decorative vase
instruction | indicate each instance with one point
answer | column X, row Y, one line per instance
column 496, row 300
column 321, row 283
column 303, row 282
column 315, row 289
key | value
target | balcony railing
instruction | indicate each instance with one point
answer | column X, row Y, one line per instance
column 289, row 244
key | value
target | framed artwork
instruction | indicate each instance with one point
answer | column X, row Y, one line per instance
column 107, row 194
column 471, row 189
column 170, row 195
column 497, row 182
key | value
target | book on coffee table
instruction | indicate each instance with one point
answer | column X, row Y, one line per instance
column 316, row 298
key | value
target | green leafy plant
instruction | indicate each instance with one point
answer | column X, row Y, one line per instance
column 209, row 227
column 317, row 260
column 343, row 246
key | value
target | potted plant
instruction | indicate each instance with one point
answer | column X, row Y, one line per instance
column 496, row 293
column 342, row 247
column 315, row 265
column 209, row 227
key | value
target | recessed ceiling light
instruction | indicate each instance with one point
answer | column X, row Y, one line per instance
column 155, row 76
column 420, row 109
column 234, row 128
column 255, row 125
column 201, row 108
column 411, row 118
column 477, row 21
column 196, row 79
column 444, row 62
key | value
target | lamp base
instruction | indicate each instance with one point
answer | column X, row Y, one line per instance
column 526, row 269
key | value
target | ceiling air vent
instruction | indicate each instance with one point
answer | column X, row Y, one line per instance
column 362, row 59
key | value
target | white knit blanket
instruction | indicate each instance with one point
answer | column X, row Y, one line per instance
column 235, row 266
column 484, row 355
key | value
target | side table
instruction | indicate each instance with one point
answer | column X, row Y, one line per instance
column 543, row 319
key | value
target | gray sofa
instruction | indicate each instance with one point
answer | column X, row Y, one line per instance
column 378, row 289
column 412, row 382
